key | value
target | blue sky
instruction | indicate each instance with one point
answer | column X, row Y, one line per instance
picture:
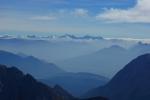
column 109, row 18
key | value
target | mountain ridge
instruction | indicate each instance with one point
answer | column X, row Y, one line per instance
column 130, row 83
column 29, row 64
column 18, row 86
column 15, row 85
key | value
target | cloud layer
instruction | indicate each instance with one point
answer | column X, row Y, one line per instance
column 138, row 14
column 77, row 16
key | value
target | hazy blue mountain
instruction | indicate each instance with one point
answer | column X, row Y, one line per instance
column 105, row 62
column 47, row 50
column 14, row 85
column 130, row 83
column 76, row 83
column 56, row 48
column 30, row 64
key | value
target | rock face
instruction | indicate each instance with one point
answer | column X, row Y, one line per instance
column 14, row 85
column 131, row 83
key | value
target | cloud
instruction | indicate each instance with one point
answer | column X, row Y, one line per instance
column 80, row 12
column 44, row 18
column 61, row 14
column 140, row 13
column 143, row 40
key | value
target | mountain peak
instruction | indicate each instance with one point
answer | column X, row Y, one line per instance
column 117, row 47
column 113, row 48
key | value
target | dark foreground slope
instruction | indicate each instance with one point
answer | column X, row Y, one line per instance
column 14, row 85
column 131, row 83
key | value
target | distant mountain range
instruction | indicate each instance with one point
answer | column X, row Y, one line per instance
column 57, row 47
column 53, row 37
column 72, row 37
column 85, row 37
column 130, row 83
column 78, row 56
column 51, row 49
column 14, row 85
column 51, row 74
column 30, row 64
column 107, row 61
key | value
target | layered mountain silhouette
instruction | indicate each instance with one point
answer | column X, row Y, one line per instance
column 56, row 48
column 30, row 64
column 14, row 85
column 107, row 61
column 50, row 50
column 77, row 83
column 49, row 73
column 130, row 83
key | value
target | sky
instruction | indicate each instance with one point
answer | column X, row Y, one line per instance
column 108, row 18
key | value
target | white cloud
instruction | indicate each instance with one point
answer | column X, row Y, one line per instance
column 140, row 13
column 145, row 40
column 44, row 18
column 61, row 13
column 80, row 12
